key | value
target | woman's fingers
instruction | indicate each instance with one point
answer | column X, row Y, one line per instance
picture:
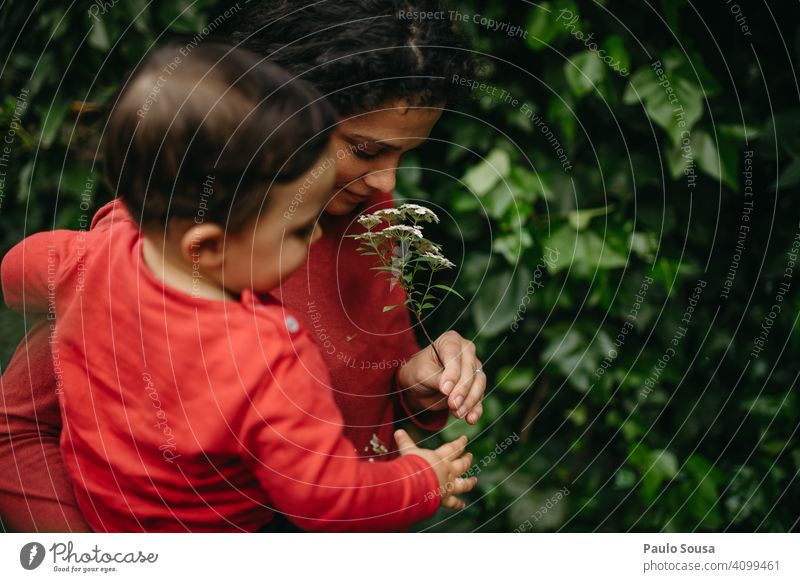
column 474, row 396
column 449, row 347
column 471, row 385
column 462, row 380
column 474, row 415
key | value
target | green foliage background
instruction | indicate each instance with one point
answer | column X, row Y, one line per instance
column 551, row 259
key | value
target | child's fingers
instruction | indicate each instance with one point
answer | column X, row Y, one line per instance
column 462, row 464
column 404, row 442
column 461, row 485
column 452, row 502
column 453, row 449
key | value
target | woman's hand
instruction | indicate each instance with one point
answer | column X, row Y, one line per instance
column 460, row 385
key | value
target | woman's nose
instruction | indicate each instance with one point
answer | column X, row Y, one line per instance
column 382, row 180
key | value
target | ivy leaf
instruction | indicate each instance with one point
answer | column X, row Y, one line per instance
column 719, row 163
column 512, row 245
column 499, row 199
column 98, row 36
column 561, row 108
column 482, row 178
column 678, row 163
column 79, row 182
column 514, row 379
column 25, row 178
column 542, row 26
column 498, row 300
column 584, row 72
column 583, row 252
column 643, row 84
column 703, row 502
column 580, row 219
column 566, row 352
column 615, row 47
column 673, row 102
column 789, row 177
column 53, row 120
column 655, row 467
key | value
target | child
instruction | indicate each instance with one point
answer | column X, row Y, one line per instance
column 191, row 400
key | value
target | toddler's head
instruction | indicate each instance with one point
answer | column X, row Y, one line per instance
column 224, row 161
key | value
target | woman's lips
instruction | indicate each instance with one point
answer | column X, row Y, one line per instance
column 358, row 198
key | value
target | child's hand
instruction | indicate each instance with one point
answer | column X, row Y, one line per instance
column 449, row 461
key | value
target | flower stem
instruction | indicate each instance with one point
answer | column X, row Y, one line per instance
column 425, row 331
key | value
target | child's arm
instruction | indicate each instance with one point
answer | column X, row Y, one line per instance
column 293, row 440
column 31, row 269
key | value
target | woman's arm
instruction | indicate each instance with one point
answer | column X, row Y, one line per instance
column 35, row 492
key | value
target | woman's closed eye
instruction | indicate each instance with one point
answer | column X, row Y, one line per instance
column 364, row 154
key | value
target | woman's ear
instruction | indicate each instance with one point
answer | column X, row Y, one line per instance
column 202, row 245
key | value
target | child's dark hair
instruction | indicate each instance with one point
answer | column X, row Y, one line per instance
column 362, row 54
column 202, row 132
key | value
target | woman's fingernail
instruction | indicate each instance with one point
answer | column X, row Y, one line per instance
column 471, row 419
column 448, row 387
column 462, row 411
column 458, row 401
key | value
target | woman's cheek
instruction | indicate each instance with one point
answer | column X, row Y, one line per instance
column 349, row 168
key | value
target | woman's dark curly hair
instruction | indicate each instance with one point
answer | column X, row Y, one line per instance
column 361, row 54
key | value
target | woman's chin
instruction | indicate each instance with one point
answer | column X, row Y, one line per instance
column 341, row 205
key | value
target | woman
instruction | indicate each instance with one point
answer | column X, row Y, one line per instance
column 385, row 69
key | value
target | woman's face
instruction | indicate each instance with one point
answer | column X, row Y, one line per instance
column 368, row 149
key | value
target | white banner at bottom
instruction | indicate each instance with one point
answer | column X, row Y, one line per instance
column 396, row 557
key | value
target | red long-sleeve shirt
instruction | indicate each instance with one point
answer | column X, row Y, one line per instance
column 187, row 414
column 35, row 494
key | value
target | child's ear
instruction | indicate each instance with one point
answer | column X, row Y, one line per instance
column 202, row 245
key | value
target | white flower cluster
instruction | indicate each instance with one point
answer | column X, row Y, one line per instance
column 428, row 251
column 437, row 261
column 416, row 213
